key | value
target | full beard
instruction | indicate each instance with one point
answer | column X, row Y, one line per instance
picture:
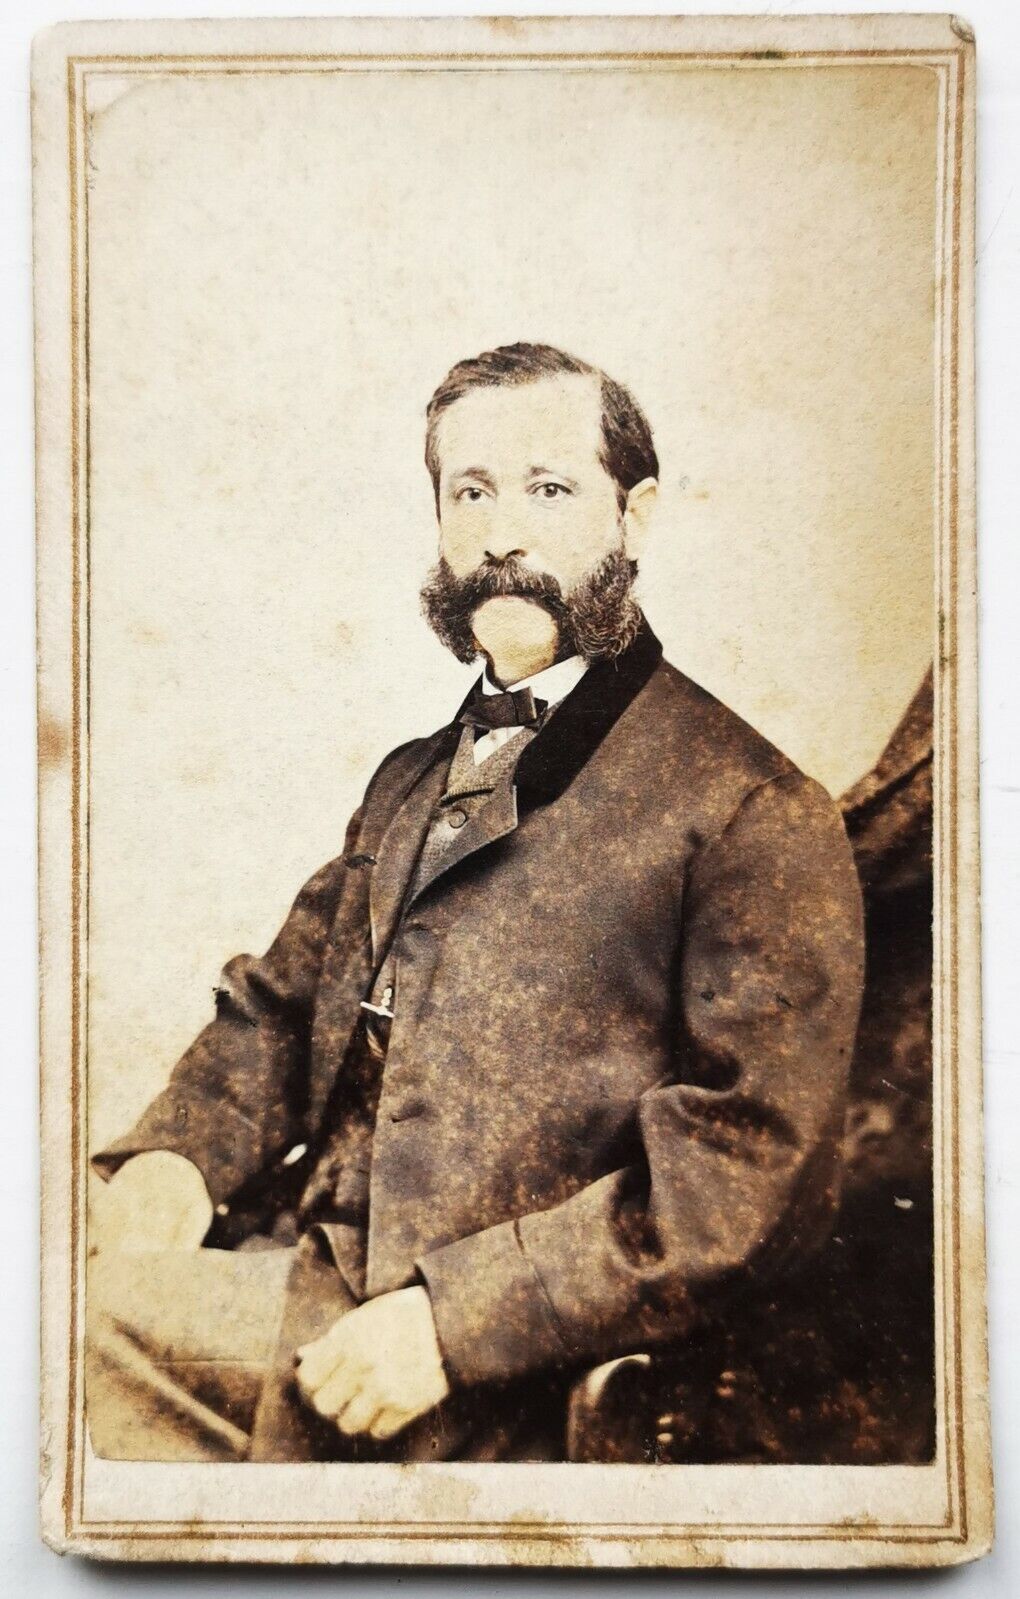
column 598, row 619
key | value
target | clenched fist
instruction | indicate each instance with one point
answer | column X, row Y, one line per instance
column 378, row 1368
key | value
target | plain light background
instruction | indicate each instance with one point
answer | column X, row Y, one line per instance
column 282, row 268
column 22, row 1560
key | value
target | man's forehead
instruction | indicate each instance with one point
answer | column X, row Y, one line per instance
column 522, row 423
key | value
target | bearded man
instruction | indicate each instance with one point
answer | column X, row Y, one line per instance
column 545, row 1066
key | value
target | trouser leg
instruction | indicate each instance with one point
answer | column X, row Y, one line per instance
column 285, row 1428
column 177, row 1349
column 516, row 1421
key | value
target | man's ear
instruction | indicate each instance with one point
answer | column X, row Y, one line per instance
column 637, row 516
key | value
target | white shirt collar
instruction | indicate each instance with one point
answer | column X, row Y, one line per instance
column 552, row 684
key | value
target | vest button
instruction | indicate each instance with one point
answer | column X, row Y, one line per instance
column 456, row 818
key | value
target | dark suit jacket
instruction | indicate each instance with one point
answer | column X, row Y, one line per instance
column 625, row 1014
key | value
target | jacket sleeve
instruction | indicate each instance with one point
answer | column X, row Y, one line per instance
column 232, row 1100
column 739, row 1168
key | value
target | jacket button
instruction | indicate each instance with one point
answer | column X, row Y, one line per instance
column 456, row 818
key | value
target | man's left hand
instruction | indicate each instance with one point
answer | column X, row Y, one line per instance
column 378, row 1368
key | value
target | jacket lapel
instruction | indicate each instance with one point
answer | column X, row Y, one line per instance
column 545, row 770
column 494, row 821
column 568, row 740
column 402, row 840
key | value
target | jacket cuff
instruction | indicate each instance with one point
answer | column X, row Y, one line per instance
column 493, row 1318
column 223, row 1144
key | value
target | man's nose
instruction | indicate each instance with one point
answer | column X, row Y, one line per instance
column 506, row 533
column 503, row 536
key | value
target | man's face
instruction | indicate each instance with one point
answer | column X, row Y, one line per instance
column 520, row 475
column 537, row 561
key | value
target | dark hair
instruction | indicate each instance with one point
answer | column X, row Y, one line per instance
column 627, row 453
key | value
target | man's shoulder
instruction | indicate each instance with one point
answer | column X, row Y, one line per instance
column 693, row 725
column 402, row 765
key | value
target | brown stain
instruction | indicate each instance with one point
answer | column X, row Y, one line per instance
column 146, row 633
column 54, row 743
column 506, row 27
column 201, row 774
column 528, row 1545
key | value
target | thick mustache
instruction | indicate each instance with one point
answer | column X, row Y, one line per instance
column 598, row 618
column 510, row 579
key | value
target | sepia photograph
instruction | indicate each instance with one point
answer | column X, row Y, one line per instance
column 511, row 1036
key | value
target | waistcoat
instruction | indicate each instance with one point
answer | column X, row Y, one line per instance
column 338, row 1186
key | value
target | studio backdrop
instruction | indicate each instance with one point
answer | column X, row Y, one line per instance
column 281, row 268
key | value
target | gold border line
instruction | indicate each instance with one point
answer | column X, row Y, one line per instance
column 950, row 63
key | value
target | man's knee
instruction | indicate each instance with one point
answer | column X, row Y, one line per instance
column 206, row 1305
column 174, row 1363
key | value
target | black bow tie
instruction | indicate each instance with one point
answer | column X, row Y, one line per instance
column 517, row 707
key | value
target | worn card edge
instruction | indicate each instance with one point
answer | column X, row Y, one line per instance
column 63, row 712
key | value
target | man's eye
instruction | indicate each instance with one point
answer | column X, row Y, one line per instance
column 550, row 491
column 470, row 493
